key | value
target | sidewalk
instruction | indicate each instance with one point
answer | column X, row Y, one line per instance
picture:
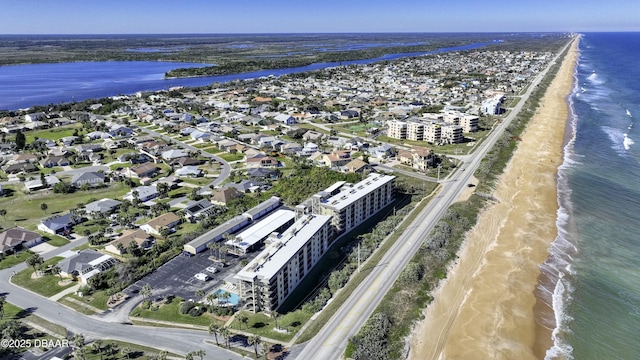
column 64, row 292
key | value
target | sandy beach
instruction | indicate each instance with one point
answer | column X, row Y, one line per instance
column 486, row 308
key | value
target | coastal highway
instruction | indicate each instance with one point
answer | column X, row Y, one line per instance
column 332, row 339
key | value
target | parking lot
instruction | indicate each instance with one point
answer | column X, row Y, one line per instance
column 177, row 276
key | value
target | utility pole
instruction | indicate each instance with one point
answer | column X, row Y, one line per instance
column 358, row 257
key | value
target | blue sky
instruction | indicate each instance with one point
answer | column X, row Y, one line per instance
column 282, row 16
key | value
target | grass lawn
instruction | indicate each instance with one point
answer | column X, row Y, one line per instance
column 231, row 157
column 97, row 299
column 200, row 181
column 171, row 312
column 75, row 306
column 12, row 312
column 312, row 127
column 14, row 259
column 212, row 150
column 24, row 209
column 53, row 240
column 263, row 325
column 51, row 134
column 46, row 285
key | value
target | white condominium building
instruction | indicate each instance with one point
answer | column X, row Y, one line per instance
column 268, row 280
column 355, row 203
column 397, row 129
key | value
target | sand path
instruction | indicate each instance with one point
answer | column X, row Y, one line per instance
column 485, row 308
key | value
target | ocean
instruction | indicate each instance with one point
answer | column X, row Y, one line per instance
column 593, row 274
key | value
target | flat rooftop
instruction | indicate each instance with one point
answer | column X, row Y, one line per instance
column 277, row 255
column 218, row 231
column 263, row 228
column 351, row 193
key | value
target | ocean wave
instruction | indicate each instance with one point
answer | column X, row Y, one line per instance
column 558, row 266
column 627, row 142
column 620, row 142
column 595, row 79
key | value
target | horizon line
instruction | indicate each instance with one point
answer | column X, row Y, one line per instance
column 319, row 33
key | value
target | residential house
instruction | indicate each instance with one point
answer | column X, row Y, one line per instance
column 381, row 151
column 223, row 196
column 89, row 148
column 144, row 193
column 188, row 171
column 141, row 171
column 21, row 167
column 174, row 154
column 35, row 117
column 89, row 178
column 24, row 158
column 285, row 119
column 261, row 161
column 290, row 148
column 18, row 238
column 196, row 209
column 51, row 161
column 85, row 264
column 59, row 224
column 102, row 206
column 200, row 136
column 37, row 184
column 337, row 158
column 168, row 220
column 122, row 243
column 418, row 158
column 358, row 166
column 312, row 136
column 246, row 186
column 186, row 161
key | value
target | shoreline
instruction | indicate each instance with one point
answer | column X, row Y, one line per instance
column 486, row 307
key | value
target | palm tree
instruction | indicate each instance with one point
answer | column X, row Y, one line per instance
column 34, row 261
column 200, row 353
column 254, row 340
column 97, row 347
column 225, row 296
column 3, row 213
column 126, row 351
column 189, row 355
column 57, row 270
column 81, row 353
column 226, row 334
column 145, row 291
column 243, row 319
column 199, row 293
column 213, row 246
column 210, row 299
column 276, row 315
column 44, row 207
column 2, row 301
column 213, row 330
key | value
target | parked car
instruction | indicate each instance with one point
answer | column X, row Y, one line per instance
column 187, row 254
column 201, row 276
column 212, row 269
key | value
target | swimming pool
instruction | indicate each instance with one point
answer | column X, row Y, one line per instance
column 233, row 300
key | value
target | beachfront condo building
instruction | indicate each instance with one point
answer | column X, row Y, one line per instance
column 352, row 204
column 267, row 281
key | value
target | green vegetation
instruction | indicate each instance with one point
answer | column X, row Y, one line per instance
column 44, row 283
column 231, row 157
column 14, row 259
column 26, row 215
column 169, row 311
column 263, row 325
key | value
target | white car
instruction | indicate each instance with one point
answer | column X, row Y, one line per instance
column 212, row 269
column 201, row 276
